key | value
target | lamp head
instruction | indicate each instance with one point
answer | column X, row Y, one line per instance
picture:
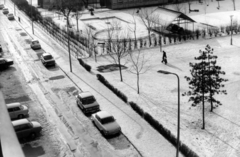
column 164, row 72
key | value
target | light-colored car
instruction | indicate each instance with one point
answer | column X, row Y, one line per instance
column 106, row 123
column 87, row 102
column 1, row 6
column 47, row 59
column 35, row 44
column 5, row 11
column 16, row 110
column 25, row 128
column 10, row 16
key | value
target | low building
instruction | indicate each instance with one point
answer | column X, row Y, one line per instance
column 123, row 4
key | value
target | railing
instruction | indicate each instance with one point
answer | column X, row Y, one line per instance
column 9, row 143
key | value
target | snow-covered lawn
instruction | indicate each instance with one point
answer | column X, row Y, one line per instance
column 158, row 95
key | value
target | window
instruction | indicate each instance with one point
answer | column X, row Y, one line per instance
column 88, row 100
column 107, row 120
column 16, row 109
column 48, row 57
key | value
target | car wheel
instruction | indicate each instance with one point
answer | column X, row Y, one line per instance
column 20, row 116
column 33, row 135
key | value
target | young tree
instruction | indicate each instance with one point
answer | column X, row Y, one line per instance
column 67, row 6
column 138, row 65
column 205, row 82
column 90, row 42
column 117, row 44
column 148, row 19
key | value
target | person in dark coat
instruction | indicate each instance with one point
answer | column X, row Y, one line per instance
column 164, row 57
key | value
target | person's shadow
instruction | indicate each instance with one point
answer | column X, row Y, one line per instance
column 172, row 66
column 30, row 151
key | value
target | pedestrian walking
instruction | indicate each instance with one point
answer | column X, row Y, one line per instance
column 164, row 57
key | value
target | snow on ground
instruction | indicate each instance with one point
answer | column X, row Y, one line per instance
column 159, row 92
column 159, row 95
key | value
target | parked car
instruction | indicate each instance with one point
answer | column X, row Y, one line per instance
column 1, row 6
column 35, row 44
column 106, row 123
column 10, row 16
column 87, row 102
column 25, row 128
column 5, row 63
column 0, row 48
column 16, row 110
column 47, row 59
column 5, row 11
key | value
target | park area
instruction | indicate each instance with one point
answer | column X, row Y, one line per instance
column 158, row 92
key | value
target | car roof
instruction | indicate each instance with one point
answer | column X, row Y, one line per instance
column 85, row 94
column 46, row 54
column 20, row 122
column 16, row 104
column 103, row 114
column 35, row 40
column 10, row 14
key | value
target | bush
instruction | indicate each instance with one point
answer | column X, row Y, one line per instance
column 86, row 66
column 136, row 108
column 185, row 150
column 113, row 89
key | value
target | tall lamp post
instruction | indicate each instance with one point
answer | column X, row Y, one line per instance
column 178, row 126
column 231, row 29
column 32, row 18
column 69, row 51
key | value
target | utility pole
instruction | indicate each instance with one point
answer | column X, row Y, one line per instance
column 32, row 18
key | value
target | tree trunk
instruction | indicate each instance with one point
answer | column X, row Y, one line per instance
column 149, row 36
column 120, row 70
column 138, row 90
column 203, row 105
column 77, row 21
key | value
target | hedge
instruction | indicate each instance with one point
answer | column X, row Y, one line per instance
column 85, row 65
column 112, row 88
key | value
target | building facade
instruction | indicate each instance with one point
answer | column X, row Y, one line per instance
column 124, row 4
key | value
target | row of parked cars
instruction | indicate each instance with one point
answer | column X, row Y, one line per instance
column 103, row 120
column 6, row 12
column 23, row 127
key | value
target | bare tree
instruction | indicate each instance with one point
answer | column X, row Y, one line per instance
column 179, row 7
column 67, row 6
column 117, row 45
column 148, row 19
column 138, row 65
column 90, row 42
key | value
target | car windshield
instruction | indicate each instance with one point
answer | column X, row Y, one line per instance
column 107, row 120
column 35, row 42
column 48, row 57
column 88, row 100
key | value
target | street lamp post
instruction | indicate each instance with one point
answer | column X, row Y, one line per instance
column 231, row 29
column 178, row 126
column 32, row 18
column 69, row 51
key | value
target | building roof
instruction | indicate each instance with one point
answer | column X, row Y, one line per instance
column 166, row 16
